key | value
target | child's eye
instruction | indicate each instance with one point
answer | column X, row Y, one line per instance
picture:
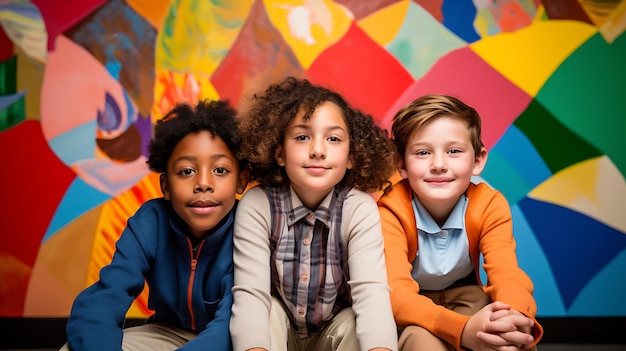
column 334, row 139
column 422, row 153
column 454, row 151
column 221, row 171
column 186, row 171
column 301, row 137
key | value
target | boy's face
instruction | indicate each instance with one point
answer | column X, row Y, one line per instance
column 316, row 153
column 439, row 163
column 201, row 181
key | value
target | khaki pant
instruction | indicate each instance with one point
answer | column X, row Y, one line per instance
column 466, row 300
column 339, row 335
column 153, row 337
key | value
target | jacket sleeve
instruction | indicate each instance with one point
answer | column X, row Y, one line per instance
column 249, row 324
column 489, row 210
column 400, row 236
column 99, row 311
column 375, row 325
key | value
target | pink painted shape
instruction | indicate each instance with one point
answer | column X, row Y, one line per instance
column 465, row 75
column 61, row 17
column 73, row 89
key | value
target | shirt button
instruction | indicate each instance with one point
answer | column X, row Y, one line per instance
column 301, row 311
column 311, row 216
column 444, row 232
column 304, row 277
column 306, row 241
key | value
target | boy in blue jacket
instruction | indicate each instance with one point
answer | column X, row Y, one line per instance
column 180, row 244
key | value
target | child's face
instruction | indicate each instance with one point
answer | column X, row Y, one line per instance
column 316, row 153
column 201, row 181
column 439, row 163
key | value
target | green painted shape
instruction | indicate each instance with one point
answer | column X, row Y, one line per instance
column 421, row 41
column 587, row 95
column 16, row 112
column 558, row 146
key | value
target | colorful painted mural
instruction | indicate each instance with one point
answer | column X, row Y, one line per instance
column 81, row 85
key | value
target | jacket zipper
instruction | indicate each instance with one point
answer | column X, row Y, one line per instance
column 192, row 276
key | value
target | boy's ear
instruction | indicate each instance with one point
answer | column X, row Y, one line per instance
column 244, row 177
column 279, row 156
column 164, row 186
column 479, row 162
column 401, row 166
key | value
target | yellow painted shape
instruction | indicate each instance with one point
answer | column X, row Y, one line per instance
column 154, row 11
column 308, row 26
column 530, row 56
column 383, row 25
column 594, row 187
column 200, row 35
column 615, row 25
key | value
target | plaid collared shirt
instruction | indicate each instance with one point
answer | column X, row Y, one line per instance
column 309, row 258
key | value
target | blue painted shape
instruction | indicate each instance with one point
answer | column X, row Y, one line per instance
column 458, row 16
column 76, row 144
column 8, row 100
column 78, row 199
column 532, row 259
column 603, row 296
column 514, row 165
column 577, row 246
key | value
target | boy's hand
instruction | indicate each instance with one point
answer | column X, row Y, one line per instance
column 497, row 327
column 508, row 326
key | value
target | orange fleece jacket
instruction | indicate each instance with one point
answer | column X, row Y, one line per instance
column 490, row 232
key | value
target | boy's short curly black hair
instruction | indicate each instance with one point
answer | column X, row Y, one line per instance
column 264, row 126
column 215, row 116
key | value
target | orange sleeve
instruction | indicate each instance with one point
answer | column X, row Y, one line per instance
column 490, row 232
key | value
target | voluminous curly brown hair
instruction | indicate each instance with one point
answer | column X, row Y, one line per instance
column 214, row 116
column 263, row 130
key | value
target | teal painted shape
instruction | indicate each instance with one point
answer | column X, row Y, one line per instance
column 76, row 144
column 78, row 199
column 421, row 41
column 514, row 166
column 586, row 94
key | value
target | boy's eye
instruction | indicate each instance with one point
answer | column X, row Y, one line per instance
column 220, row 171
column 454, row 151
column 186, row 171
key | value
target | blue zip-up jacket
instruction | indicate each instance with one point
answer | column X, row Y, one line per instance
column 186, row 292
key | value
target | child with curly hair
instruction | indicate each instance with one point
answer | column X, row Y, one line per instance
column 309, row 267
column 436, row 224
column 180, row 244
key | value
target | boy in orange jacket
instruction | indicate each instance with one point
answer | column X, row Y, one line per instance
column 436, row 223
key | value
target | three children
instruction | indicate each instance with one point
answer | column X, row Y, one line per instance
column 317, row 265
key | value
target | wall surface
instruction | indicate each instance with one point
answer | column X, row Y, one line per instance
column 81, row 85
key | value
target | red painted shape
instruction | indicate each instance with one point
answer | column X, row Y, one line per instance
column 34, row 181
column 59, row 18
column 362, row 71
column 6, row 46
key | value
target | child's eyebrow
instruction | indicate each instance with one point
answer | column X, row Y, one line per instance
column 213, row 158
column 327, row 129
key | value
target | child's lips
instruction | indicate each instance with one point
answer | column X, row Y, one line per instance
column 203, row 206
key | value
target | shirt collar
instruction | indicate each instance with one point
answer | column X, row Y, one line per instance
column 425, row 221
column 295, row 210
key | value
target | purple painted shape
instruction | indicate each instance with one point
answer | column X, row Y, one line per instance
column 465, row 75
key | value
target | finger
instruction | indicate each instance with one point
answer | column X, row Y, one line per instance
column 492, row 339
column 517, row 338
